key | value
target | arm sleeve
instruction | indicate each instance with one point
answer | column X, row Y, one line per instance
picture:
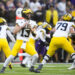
column 37, row 36
column 42, row 35
column 10, row 36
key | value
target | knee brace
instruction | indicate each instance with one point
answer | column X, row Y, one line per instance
column 47, row 57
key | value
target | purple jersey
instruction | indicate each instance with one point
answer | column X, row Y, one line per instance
column 40, row 47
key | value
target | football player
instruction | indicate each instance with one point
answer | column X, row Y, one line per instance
column 30, row 41
column 4, row 31
column 41, row 42
column 40, row 39
column 23, row 31
column 43, row 33
column 59, row 39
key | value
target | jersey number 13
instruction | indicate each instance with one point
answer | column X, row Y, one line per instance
column 25, row 32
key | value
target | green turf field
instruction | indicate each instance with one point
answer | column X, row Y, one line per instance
column 48, row 69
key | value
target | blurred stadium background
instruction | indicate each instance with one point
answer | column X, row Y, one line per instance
column 57, row 8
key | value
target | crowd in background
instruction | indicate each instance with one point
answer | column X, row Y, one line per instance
column 52, row 10
column 60, row 7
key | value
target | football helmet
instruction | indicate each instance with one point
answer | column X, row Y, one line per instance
column 26, row 12
column 67, row 17
column 40, row 23
column 38, row 16
column 47, row 26
column 2, row 21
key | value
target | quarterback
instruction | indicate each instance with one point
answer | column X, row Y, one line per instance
column 23, row 31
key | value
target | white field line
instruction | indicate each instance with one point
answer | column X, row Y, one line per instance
column 46, row 65
column 30, row 73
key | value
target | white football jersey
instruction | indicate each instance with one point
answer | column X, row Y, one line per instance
column 62, row 28
column 41, row 33
column 33, row 24
column 25, row 33
column 3, row 30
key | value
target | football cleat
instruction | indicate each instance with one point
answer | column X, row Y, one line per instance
column 23, row 65
column 40, row 67
column 10, row 66
column 72, row 67
column 2, row 70
column 34, row 70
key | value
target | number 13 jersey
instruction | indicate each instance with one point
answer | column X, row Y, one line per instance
column 62, row 28
column 25, row 33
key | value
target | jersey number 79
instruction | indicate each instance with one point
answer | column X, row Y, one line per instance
column 62, row 26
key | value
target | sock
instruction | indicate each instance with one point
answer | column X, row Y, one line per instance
column 25, row 61
column 8, row 60
column 34, row 59
column 29, row 62
column 46, row 58
column 43, row 62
